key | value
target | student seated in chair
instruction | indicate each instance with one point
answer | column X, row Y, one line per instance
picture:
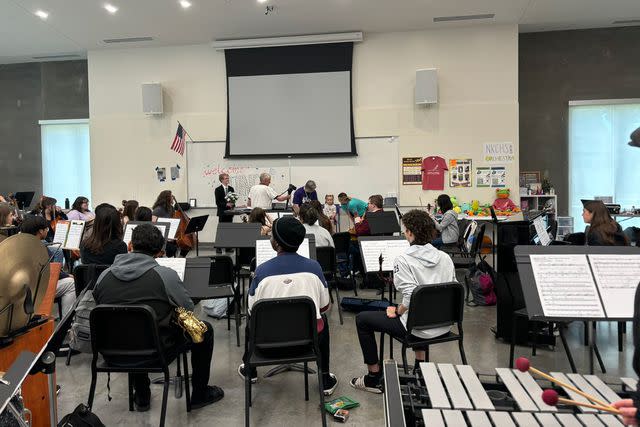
column 421, row 264
column 292, row 275
column 136, row 278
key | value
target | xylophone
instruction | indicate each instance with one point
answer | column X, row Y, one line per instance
column 445, row 395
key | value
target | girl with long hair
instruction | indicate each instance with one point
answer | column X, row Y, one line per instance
column 105, row 241
column 602, row 229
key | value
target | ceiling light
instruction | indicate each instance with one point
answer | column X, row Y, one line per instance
column 185, row 4
column 262, row 1
column 464, row 17
column 110, row 8
column 41, row 14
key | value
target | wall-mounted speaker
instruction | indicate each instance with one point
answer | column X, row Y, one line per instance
column 152, row 98
column 427, row 86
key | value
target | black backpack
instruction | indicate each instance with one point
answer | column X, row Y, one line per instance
column 81, row 417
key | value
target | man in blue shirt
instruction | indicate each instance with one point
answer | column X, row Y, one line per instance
column 303, row 195
column 292, row 275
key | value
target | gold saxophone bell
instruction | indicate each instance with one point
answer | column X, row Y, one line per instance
column 191, row 324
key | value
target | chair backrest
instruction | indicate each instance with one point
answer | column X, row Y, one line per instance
column 463, row 224
column 326, row 257
column 283, row 322
column 85, row 274
column 221, row 272
column 245, row 255
column 437, row 305
column 341, row 241
column 126, row 335
column 477, row 242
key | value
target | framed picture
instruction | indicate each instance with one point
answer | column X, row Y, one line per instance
column 528, row 178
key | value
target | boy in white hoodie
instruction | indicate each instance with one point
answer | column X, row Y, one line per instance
column 421, row 264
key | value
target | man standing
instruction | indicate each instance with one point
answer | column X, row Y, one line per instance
column 292, row 275
column 261, row 195
column 303, row 195
column 136, row 278
column 221, row 202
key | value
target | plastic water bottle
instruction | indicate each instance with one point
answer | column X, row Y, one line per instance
column 66, row 203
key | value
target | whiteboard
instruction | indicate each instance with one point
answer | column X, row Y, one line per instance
column 374, row 171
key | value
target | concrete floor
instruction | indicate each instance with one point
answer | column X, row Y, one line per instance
column 280, row 400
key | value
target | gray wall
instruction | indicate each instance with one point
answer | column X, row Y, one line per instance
column 559, row 66
column 32, row 92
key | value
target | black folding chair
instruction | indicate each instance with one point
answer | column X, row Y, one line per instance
column 342, row 242
column 326, row 257
column 286, row 326
column 126, row 336
column 221, row 285
column 466, row 260
column 432, row 306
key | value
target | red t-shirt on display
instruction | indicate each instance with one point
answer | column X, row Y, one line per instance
column 433, row 168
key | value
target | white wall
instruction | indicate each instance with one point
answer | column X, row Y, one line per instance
column 478, row 92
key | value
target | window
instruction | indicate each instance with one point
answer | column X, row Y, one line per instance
column 66, row 164
column 601, row 163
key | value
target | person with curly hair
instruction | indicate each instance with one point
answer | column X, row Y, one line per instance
column 420, row 264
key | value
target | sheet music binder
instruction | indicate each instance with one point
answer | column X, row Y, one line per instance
column 530, row 288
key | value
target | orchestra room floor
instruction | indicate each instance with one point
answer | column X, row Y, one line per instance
column 280, row 400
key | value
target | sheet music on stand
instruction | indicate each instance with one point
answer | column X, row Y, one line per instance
column 176, row 264
column 541, row 231
column 131, row 225
column 579, row 282
column 69, row 234
column 264, row 251
column 173, row 227
column 371, row 247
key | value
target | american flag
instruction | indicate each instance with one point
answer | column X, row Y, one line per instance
column 179, row 142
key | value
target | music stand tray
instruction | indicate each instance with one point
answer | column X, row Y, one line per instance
column 237, row 235
column 383, row 223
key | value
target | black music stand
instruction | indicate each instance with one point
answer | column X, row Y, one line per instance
column 375, row 266
column 383, row 223
column 234, row 235
column 532, row 297
column 195, row 225
column 24, row 199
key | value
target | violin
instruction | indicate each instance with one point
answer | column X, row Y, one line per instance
column 185, row 242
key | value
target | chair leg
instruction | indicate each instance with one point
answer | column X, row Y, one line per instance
column 355, row 284
column 534, row 341
column 321, row 390
column 620, row 337
column 463, row 356
column 68, row 361
column 381, row 357
column 228, row 315
column 178, row 379
column 92, row 387
column 306, row 382
column 130, row 386
column 165, row 395
column 247, row 397
column 237, row 323
column 338, row 302
column 187, row 386
column 404, row 359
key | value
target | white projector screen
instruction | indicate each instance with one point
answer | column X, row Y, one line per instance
column 290, row 114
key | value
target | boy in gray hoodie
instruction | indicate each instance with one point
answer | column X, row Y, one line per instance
column 421, row 264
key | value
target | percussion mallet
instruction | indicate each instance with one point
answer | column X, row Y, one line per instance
column 523, row 365
column 551, row 398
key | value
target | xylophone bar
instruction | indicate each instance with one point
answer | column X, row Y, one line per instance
column 630, row 383
column 456, row 418
column 461, row 387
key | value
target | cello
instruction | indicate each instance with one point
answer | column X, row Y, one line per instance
column 185, row 242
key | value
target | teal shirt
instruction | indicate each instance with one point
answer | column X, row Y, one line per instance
column 357, row 207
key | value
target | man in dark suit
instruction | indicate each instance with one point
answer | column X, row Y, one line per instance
column 221, row 202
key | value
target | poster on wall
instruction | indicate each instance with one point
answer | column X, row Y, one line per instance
column 498, row 176
column 483, row 177
column 460, row 173
column 498, row 152
column 411, row 170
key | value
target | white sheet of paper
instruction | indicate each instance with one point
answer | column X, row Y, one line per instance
column 565, row 286
column 128, row 230
column 162, row 228
column 541, row 231
column 264, row 251
column 617, row 277
column 283, row 214
column 62, row 228
column 75, row 235
column 390, row 249
column 175, row 223
column 272, row 216
column 176, row 264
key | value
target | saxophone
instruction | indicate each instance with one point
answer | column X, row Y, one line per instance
column 191, row 324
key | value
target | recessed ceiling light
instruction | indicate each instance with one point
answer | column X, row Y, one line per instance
column 262, row 1
column 41, row 14
column 110, row 8
column 185, row 4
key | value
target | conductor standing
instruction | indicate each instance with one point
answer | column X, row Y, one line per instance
column 221, row 202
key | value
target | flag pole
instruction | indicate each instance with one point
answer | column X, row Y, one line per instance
column 185, row 131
